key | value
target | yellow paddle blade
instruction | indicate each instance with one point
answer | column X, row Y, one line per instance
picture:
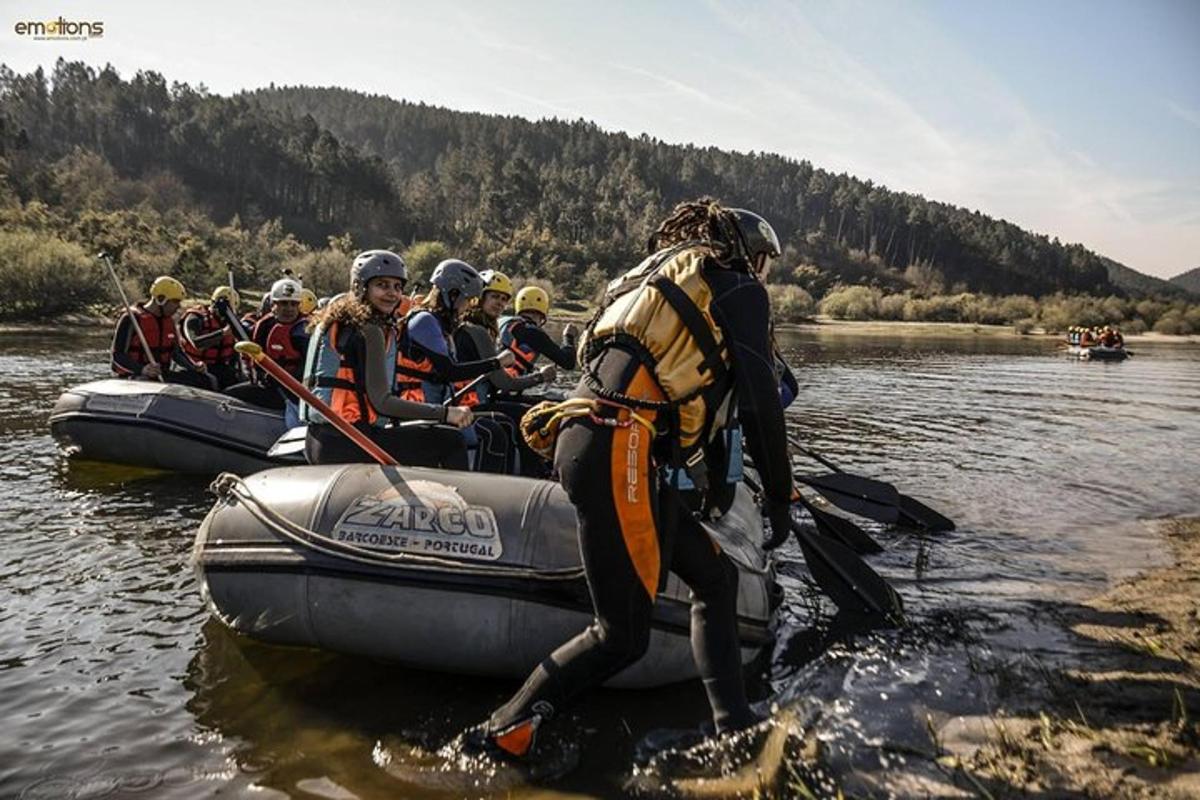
column 249, row 349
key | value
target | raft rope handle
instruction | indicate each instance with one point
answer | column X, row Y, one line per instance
column 227, row 484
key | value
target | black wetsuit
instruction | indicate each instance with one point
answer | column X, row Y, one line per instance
column 631, row 532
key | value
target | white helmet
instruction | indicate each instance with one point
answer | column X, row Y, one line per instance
column 286, row 289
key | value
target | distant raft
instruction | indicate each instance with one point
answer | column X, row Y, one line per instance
column 1098, row 353
column 164, row 426
column 448, row 571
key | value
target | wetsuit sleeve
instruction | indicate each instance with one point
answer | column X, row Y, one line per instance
column 474, row 345
column 539, row 341
column 425, row 334
column 378, row 386
column 191, row 332
column 179, row 357
column 122, row 364
column 744, row 312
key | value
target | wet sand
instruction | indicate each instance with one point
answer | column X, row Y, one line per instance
column 1125, row 724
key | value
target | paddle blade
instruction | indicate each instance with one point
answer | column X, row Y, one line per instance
column 862, row 496
column 843, row 530
column 851, row 584
column 915, row 513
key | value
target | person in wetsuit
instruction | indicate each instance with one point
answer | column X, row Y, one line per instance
column 475, row 339
column 282, row 333
column 522, row 334
column 156, row 319
column 428, row 370
column 351, row 365
column 208, row 336
column 655, row 405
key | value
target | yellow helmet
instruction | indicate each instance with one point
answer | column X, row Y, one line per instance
column 168, row 288
column 308, row 301
column 496, row 281
column 228, row 294
column 533, row 298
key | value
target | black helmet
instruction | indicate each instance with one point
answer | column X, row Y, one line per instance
column 755, row 236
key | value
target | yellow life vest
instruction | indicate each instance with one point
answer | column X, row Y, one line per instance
column 660, row 309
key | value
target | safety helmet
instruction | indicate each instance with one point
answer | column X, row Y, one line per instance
column 452, row 276
column 533, row 298
column 308, row 301
column 167, row 288
column 755, row 236
column 375, row 264
column 496, row 281
column 228, row 294
column 286, row 289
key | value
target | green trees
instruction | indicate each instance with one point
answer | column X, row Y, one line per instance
column 169, row 177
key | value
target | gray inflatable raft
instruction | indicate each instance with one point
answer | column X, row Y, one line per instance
column 448, row 571
column 1098, row 353
column 164, row 426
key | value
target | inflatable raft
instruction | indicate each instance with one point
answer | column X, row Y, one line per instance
column 164, row 426
column 1098, row 353
column 454, row 572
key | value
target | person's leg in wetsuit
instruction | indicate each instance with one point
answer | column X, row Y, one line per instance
column 532, row 465
column 609, row 476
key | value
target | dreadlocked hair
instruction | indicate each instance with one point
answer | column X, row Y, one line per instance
column 701, row 220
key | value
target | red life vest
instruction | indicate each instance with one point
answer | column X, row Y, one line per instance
column 160, row 335
column 275, row 339
column 220, row 353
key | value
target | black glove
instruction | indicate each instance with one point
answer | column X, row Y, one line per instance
column 780, row 517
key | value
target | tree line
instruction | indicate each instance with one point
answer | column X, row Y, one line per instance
column 170, row 177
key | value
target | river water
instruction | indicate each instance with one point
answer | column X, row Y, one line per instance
column 115, row 682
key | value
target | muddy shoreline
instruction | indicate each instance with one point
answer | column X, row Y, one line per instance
column 1122, row 723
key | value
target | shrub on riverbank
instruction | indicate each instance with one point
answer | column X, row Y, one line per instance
column 41, row 276
column 1054, row 313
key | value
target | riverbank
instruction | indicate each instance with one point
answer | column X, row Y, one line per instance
column 580, row 314
column 898, row 329
column 1125, row 723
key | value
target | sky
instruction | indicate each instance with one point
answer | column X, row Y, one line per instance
column 1077, row 119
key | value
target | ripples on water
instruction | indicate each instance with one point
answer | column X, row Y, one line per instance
column 113, row 681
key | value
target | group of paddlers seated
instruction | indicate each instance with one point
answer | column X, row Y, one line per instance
column 1106, row 336
column 434, row 379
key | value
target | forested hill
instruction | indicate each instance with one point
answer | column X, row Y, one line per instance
column 1188, row 281
column 587, row 195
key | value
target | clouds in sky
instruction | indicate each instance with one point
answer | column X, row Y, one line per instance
column 1002, row 115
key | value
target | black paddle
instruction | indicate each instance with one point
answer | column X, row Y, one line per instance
column 850, row 583
column 910, row 510
column 831, row 525
column 868, row 498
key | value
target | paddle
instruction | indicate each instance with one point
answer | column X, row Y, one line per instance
column 454, row 398
column 911, row 510
column 107, row 259
column 868, row 498
column 255, row 353
column 831, row 525
column 850, row 583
